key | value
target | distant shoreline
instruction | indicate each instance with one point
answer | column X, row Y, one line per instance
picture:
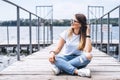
column 33, row 26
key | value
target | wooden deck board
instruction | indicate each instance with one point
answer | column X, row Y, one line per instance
column 37, row 67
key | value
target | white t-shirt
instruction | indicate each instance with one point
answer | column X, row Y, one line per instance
column 70, row 47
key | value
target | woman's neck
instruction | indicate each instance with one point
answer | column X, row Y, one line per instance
column 76, row 31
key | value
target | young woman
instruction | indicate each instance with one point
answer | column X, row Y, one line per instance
column 77, row 48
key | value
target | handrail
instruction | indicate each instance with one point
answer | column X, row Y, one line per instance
column 30, row 30
column 108, row 24
column 21, row 8
column 110, row 11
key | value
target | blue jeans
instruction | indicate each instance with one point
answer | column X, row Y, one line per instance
column 69, row 63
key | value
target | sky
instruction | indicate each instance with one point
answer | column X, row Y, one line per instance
column 62, row 9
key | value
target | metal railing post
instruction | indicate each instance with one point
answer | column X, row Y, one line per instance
column 108, row 45
column 43, row 35
column 30, row 34
column 18, row 34
column 47, row 35
column 93, row 31
column 96, row 33
column 51, row 33
column 8, row 35
column 38, row 33
column 88, row 16
column 101, row 34
column 119, row 35
column 36, row 26
column 52, row 27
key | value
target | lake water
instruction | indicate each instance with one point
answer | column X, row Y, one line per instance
column 24, row 33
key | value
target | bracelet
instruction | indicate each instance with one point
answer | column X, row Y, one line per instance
column 53, row 52
column 88, row 36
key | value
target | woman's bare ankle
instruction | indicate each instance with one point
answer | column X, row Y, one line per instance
column 76, row 71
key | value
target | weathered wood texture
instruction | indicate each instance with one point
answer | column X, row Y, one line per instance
column 37, row 67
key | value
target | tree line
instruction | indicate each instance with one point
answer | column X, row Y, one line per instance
column 34, row 22
column 56, row 22
column 113, row 21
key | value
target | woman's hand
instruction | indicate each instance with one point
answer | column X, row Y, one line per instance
column 56, row 50
column 52, row 57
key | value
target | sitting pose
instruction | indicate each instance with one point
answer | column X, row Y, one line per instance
column 77, row 47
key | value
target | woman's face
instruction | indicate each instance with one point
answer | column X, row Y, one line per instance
column 74, row 23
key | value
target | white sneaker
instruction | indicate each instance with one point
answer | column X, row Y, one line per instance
column 55, row 69
column 84, row 72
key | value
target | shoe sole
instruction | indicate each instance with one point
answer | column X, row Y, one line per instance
column 55, row 72
column 89, row 75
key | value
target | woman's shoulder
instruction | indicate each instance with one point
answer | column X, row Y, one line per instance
column 64, row 34
column 66, row 31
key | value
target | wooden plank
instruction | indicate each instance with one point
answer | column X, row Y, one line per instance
column 42, row 77
column 105, row 68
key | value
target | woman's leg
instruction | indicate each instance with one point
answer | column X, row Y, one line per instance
column 62, row 63
column 80, row 61
column 70, row 63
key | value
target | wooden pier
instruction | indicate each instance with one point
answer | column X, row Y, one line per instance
column 37, row 67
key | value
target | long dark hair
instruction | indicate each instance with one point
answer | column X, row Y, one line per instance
column 83, row 21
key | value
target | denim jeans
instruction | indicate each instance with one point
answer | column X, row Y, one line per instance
column 69, row 63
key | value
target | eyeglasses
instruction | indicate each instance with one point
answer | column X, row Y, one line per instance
column 73, row 21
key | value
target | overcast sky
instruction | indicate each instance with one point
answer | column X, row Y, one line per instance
column 62, row 9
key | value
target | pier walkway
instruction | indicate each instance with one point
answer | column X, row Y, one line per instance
column 37, row 67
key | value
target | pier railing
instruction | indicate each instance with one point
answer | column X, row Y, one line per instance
column 105, row 32
column 40, row 23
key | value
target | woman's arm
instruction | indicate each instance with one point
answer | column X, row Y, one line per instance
column 88, row 45
column 59, row 45
column 56, row 50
